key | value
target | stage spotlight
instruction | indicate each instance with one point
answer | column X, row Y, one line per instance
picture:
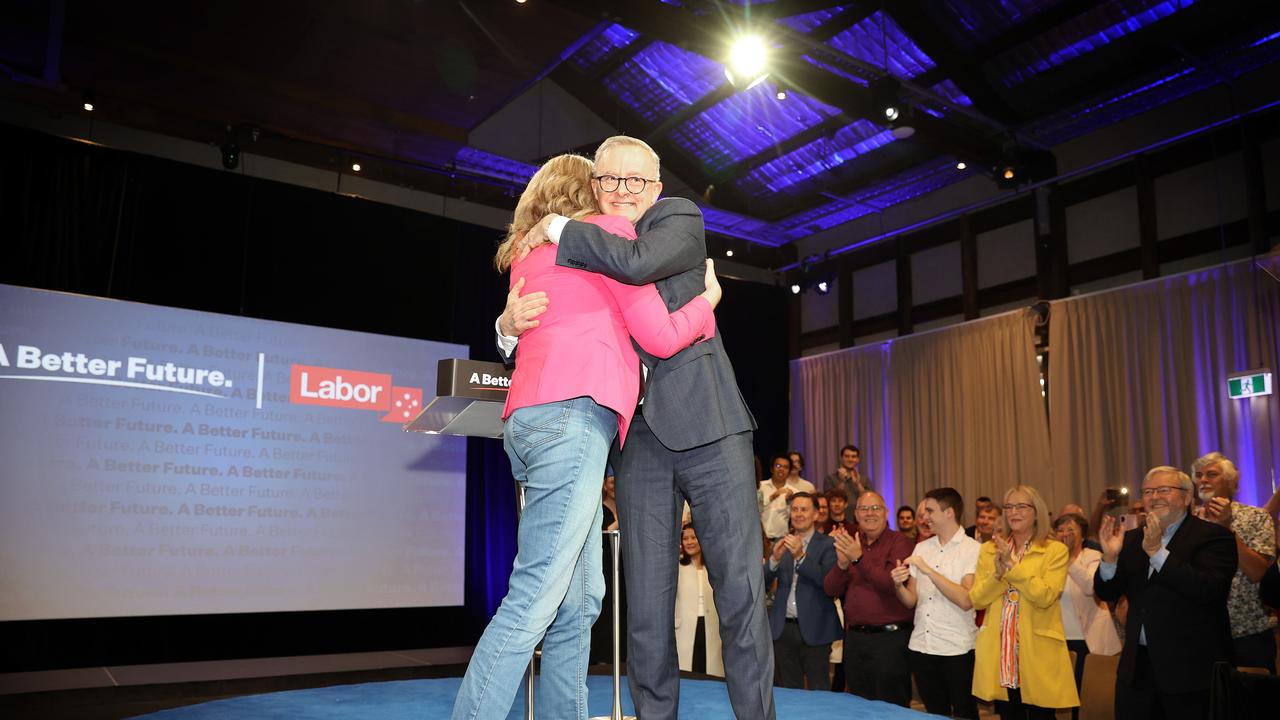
column 961, row 165
column 884, row 96
column 782, row 94
column 748, row 60
column 355, row 167
column 728, row 253
column 88, row 100
column 823, row 287
column 230, row 155
column 795, row 289
column 1009, row 173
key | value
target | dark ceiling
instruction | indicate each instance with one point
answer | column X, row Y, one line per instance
column 400, row 84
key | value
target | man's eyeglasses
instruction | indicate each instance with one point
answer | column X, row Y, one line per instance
column 869, row 508
column 634, row 184
column 782, row 465
column 1161, row 491
column 1010, row 507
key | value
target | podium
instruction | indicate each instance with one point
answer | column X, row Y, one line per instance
column 470, row 397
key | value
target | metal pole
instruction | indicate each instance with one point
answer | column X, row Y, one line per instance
column 530, row 673
column 617, row 635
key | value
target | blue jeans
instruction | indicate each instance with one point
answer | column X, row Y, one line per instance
column 558, row 453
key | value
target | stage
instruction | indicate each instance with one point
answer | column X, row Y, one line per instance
column 433, row 698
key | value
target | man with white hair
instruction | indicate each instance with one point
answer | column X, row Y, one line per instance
column 1252, row 635
column 1176, row 572
column 690, row 440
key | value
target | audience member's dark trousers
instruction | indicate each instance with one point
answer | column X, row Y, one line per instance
column 1015, row 709
column 837, row 675
column 797, row 661
column 1080, row 648
column 1257, row 650
column 1141, row 700
column 877, row 665
column 699, row 664
column 945, row 683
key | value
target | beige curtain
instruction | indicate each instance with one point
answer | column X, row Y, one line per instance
column 1138, row 379
column 959, row 406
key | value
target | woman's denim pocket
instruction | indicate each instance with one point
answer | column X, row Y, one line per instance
column 539, row 424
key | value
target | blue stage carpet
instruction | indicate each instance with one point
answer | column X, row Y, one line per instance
column 433, row 699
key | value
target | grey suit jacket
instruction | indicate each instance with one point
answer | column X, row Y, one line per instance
column 691, row 398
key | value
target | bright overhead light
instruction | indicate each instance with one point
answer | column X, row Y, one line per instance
column 823, row 287
column 728, row 253
column 961, row 166
column 891, row 113
column 748, row 57
column 1008, row 173
column 795, row 289
column 355, row 167
column 88, row 106
column 782, row 94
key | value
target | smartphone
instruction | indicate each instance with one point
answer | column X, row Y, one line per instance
column 1115, row 494
column 1129, row 521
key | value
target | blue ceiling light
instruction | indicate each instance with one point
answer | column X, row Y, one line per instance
column 863, row 81
column 867, row 41
column 497, row 167
column 602, row 47
column 948, row 90
column 789, row 172
column 808, row 22
column 661, row 79
column 724, row 222
column 746, row 123
column 970, row 23
column 1081, row 36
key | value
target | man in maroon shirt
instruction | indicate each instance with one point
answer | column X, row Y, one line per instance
column 877, row 624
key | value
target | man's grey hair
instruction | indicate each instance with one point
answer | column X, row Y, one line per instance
column 618, row 140
column 1184, row 480
column 1229, row 470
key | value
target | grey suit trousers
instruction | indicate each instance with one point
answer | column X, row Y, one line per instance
column 716, row 478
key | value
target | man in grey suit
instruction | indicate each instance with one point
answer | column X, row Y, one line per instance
column 690, row 441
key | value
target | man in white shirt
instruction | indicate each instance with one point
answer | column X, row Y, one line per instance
column 775, row 493
column 936, row 581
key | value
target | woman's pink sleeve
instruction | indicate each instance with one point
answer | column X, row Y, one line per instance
column 660, row 333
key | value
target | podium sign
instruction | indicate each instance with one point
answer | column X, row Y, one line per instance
column 471, row 396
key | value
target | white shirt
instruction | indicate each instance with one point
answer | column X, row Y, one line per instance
column 941, row 627
column 775, row 515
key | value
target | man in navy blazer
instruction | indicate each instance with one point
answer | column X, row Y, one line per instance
column 803, row 620
column 1176, row 572
column 691, row 439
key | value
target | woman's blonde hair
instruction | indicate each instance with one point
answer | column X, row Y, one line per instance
column 1044, row 529
column 561, row 186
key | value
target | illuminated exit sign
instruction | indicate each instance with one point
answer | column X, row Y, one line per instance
column 1249, row 384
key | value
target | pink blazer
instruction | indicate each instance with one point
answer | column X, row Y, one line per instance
column 582, row 345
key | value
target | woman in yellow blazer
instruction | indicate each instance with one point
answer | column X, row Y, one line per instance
column 1021, row 659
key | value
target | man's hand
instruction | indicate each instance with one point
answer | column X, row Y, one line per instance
column 1111, row 538
column 1218, row 510
column 536, row 236
column 520, row 313
column 795, row 545
column 779, row 547
column 901, row 572
column 848, row 547
column 1152, row 535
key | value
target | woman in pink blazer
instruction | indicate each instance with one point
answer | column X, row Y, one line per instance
column 575, row 388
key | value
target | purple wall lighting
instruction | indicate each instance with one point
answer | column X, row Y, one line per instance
column 747, row 123
column 878, row 39
column 602, row 47
column 663, row 78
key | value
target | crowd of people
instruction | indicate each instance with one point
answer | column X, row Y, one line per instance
column 1176, row 580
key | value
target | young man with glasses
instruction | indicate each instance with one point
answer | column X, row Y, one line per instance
column 1176, row 572
column 690, row 440
column 774, row 495
column 877, row 624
